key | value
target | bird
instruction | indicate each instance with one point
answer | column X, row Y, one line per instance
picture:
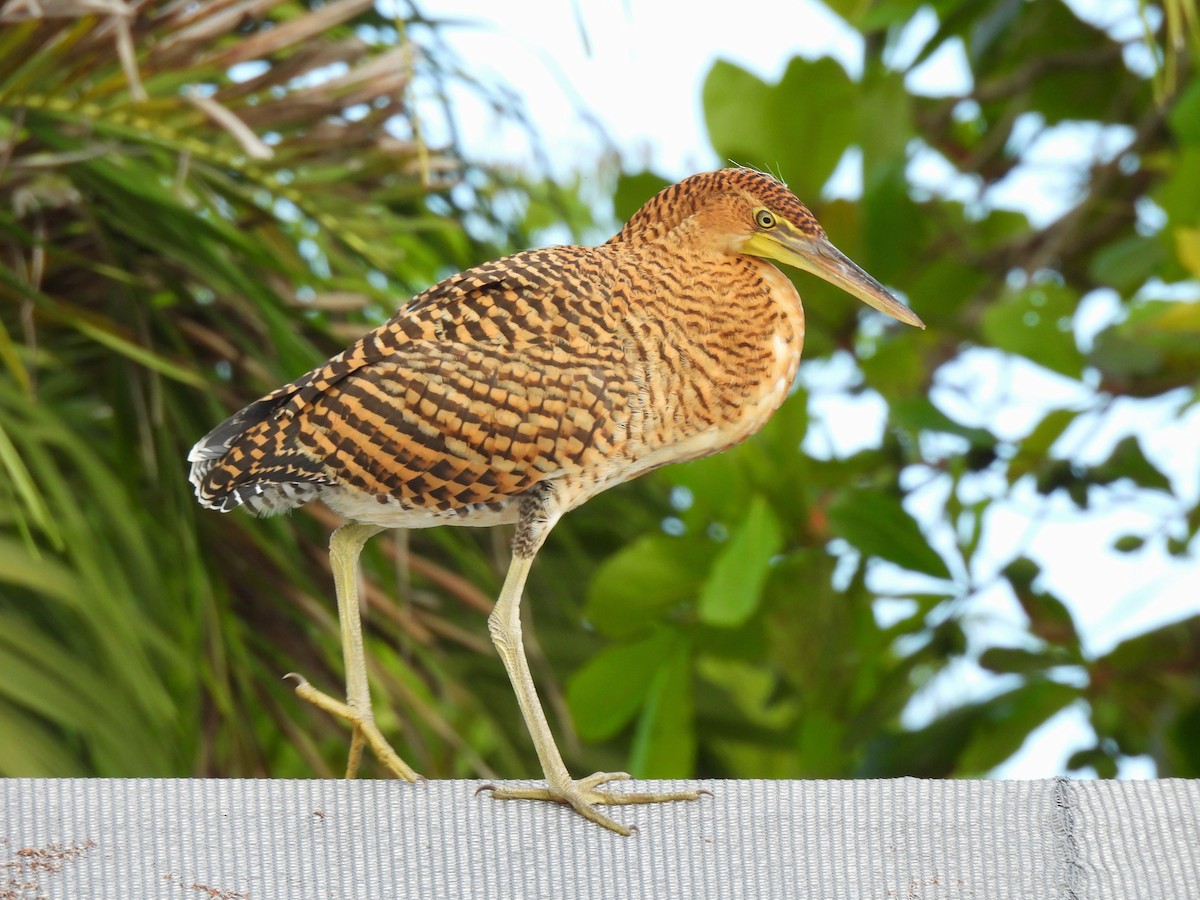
column 516, row 390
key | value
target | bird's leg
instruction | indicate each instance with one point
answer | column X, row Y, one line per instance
column 505, row 626
column 345, row 546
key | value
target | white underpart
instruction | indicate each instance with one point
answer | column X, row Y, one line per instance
column 392, row 513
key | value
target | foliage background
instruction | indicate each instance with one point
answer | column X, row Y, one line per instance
column 199, row 202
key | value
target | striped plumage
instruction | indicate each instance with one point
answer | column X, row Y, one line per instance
column 583, row 365
column 518, row 389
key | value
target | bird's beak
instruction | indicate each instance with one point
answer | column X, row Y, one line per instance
column 819, row 256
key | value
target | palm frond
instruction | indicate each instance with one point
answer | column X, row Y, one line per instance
column 197, row 200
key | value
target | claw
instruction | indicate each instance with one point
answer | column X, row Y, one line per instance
column 365, row 731
column 584, row 795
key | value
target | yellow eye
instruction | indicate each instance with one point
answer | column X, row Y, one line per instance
column 764, row 219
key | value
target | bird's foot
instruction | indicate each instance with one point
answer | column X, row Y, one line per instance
column 365, row 731
column 585, row 794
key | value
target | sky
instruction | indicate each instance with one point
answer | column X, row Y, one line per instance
column 634, row 66
column 598, row 79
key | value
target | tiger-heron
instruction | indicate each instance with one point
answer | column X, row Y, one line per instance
column 516, row 390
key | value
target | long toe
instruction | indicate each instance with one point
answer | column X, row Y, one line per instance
column 363, row 723
column 585, row 794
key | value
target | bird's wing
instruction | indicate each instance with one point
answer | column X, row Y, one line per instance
column 482, row 386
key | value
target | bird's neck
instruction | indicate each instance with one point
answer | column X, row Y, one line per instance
column 658, row 217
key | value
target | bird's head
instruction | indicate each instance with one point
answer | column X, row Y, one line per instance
column 777, row 226
column 749, row 212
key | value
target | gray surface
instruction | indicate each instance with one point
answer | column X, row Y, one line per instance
column 907, row 838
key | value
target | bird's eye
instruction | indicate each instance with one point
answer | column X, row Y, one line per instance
column 764, row 219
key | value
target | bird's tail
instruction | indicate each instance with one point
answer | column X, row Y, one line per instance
column 248, row 460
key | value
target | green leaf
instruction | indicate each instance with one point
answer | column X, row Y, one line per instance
column 1187, row 248
column 1177, row 547
column 719, row 485
column 1179, row 192
column 1096, row 758
column 897, row 366
column 95, row 327
column 799, row 126
column 1156, row 348
column 1049, row 617
column 736, row 110
column 30, row 748
column 1040, row 441
column 1184, row 116
column 821, row 742
column 1062, row 93
column 928, row 752
column 920, row 414
column 805, row 617
column 1125, row 264
column 937, row 292
column 45, row 575
column 1036, row 323
column 633, row 587
column 972, row 739
column 1128, row 461
column 1018, row 661
column 872, row 15
column 894, row 228
column 1004, row 723
column 886, row 114
column 1129, row 543
column 1185, row 742
column 1033, row 454
column 664, row 745
column 876, row 524
column 734, row 585
column 606, row 693
column 23, row 486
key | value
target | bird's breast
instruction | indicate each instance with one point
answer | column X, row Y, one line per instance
column 721, row 368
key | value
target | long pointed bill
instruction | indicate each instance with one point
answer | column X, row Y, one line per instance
column 821, row 258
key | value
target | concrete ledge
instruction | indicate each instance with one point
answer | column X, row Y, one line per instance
column 72, row 839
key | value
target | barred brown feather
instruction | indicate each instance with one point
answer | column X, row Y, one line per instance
column 584, row 366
